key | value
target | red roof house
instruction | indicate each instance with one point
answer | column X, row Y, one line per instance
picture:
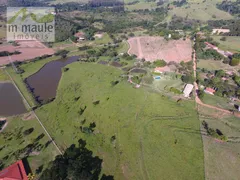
column 209, row 91
column 211, row 46
column 15, row 171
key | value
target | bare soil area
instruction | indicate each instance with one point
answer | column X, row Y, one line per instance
column 153, row 48
column 28, row 49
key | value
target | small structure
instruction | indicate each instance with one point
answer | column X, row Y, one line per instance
column 187, row 90
column 220, row 31
column 80, row 36
column 162, row 69
column 157, row 77
column 209, row 45
column 209, row 90
column 14, row 171
column 98, row 35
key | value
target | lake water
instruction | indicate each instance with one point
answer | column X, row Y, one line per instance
column 11, row 102
column 45, row 82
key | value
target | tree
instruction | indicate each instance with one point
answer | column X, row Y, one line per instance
column 220, row 73
column 234, row 62
column 187, row 78
column 200, row 94
column 76, row 163
column 160, row 63
column 223, row 38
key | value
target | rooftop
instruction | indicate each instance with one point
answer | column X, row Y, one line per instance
column 15, row 171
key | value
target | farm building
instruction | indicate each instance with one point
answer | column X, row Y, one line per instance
column 162, row 69
column 187, row 90
column 80, row 36
column 14, row 171
column 209, row 45
column 209, row 91
column 220, row 31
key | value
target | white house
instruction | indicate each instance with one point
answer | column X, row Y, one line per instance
column 218, row 31
column 187, row 90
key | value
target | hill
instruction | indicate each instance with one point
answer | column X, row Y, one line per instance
column 137, row 133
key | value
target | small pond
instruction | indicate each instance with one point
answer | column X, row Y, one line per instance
column 44, row 83
column 11, row 102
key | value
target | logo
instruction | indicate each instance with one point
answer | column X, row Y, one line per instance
column 31, row 23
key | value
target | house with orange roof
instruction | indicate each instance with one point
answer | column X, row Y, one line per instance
column 162, row 69
column 209, row 90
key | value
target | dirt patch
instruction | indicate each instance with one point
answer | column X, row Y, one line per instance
column 153, row 48
column 138, row 71
column 28, row 116
column 103, row 62
column 116, row 64
column 29, row 50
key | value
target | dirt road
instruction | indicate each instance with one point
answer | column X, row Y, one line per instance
column 198, row 101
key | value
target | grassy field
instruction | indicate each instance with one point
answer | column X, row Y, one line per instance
column 123, row 47
column 217, row 101
column 141, row 5
column 221, row 158
column 216, row 65
column 137, row 134
column 13, row 143
column 3, row 76
column 232, row 43
column 103, row 40
column 200, row 10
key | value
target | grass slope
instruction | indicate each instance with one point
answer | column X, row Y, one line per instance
column 221, row 158
column 155, row 137
column 12, row 140
column 232, row 43
column 200, row 10
column 3, row 76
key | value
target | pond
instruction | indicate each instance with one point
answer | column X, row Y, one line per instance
column 11, row 102
column 44, row 83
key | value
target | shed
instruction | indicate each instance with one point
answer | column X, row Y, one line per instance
column 187, row 90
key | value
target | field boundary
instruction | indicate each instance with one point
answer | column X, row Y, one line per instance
column 45, row 130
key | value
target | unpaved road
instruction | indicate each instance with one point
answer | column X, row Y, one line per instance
column 198, row 101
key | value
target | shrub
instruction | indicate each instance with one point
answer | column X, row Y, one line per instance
column 223, row 38
column 160, row 63
column 234, row 62
column 65, row 69
column 28, row 131
column 175, row 90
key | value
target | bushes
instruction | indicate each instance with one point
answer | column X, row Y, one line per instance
column 6, row 53
column 160, row 63
column 189, row 79
column 175, row 90
column 65, row 69
column 209, row 54
column 28, row 131
column 62, row 53
column 214, row 133
column 234, row 62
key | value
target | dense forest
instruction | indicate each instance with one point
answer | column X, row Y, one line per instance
column 230, row 7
